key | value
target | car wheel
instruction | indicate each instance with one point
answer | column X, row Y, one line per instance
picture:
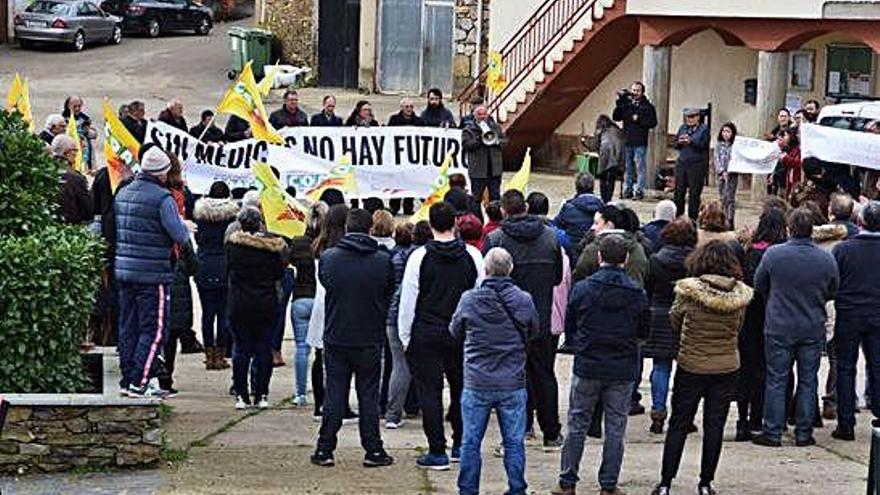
column 79, row 41
column 154, row 29
column 204, row 27
column 116, row 37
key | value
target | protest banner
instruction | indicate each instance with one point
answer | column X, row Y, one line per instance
column 753, row 156
column 830, row 144
column 389, row 162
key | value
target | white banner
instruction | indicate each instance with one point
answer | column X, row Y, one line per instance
column 830, row 144
column 389, row 161
column 753, row 156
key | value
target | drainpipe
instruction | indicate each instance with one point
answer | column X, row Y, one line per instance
column 475, row 68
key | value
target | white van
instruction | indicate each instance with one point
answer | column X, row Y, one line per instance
column 851, row 116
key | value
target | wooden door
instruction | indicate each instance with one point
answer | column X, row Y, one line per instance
column 339, row 30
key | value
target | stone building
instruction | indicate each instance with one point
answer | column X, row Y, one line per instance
column 388, row 46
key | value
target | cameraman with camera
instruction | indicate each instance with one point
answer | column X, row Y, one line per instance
column 638, row 117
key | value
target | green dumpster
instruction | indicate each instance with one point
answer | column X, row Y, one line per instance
column 258, row 50
column 237, row 39
column 586, row 162
column 249, row 44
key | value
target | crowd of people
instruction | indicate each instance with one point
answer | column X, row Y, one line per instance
column 480, row 295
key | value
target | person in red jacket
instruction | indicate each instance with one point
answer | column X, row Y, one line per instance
column 790, row 143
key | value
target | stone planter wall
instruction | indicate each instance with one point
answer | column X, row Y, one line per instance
column 48, row 434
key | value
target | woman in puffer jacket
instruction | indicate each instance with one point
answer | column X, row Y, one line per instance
column 667, row 266
column 707, row 314
column 213, row 214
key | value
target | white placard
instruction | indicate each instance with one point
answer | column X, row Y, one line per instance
column 753, row 156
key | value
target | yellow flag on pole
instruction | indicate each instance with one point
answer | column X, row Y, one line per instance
column 495, row 78
column 283, row 214
column 520, row 181
column 19, row 98
column 120, row 148
column 78, row 164
column 243, row 99
column 268, row 80
column 341, row 177
column 438, row 192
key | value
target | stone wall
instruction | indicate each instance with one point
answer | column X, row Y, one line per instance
column 466, row 45
column 59, row 438
column 294, row 24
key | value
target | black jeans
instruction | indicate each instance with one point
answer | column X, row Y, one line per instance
column 851, row 330
column 340, row 363
column 606, row 185
column 494, row 185
column 716, row 391
column 260, row 375
column 318, row 380
column 394, row 205
column 750, row 389
column 431, row 358
column 542, row 386
column 385, row 380
column 166, row 378
column 689, row 179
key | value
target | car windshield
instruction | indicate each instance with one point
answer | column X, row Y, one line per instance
column 845, row 122
column 45, row 7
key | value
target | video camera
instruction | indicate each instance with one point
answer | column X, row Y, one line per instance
column 624, row 97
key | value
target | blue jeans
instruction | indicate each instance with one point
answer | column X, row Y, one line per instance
column 510, row 407
column 287, row 282
column 660, row 374
column 615, row 396
column 214, row 309
column 300, row 312
column 635, row 161
column 850, row 331
column 779, row 352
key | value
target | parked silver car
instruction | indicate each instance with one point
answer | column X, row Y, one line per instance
column 71, row 22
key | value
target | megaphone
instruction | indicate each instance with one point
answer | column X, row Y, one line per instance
column 490, row 137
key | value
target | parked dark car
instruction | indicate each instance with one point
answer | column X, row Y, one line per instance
column 154, row 17
column 71, row 22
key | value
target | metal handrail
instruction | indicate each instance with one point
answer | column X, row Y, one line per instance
column 528, row 47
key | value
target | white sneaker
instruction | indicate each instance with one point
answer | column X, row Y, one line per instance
column 240, row 404
column 393, row 425
column 263, row 403
column 300, row 401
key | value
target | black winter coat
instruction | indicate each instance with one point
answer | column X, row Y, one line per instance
column 254, row 267
column 181, row 317
column 484, row 162
column 537, row 260
column 212, row 216
column 356, row 269
column 303, row 259
column 665, row 269
column 636, row 129
column 605, row 319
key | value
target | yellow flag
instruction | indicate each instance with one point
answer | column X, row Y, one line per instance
column 243, row 99
column 283, row 215
column 19, row 98
column 520, row 181
column 438, row 191
column 78, row 164
column 495, row 79
column 265, row 85
column 120, row 148
column 341, row 177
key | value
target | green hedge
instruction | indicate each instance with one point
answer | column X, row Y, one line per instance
column 49, row 273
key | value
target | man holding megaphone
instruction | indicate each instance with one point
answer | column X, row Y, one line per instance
column 482, row 140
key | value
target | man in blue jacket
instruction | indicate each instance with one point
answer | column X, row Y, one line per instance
column 796, row 279
column 858, row 317
column 692, row 143
column 576, row 215
column 147, row 227
column 359, row 278
column 497, row 321
column 606, row 318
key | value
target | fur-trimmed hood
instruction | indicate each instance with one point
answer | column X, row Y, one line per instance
column 716, row 292
column 215, row 210
column 258, row 241
column 829, row 233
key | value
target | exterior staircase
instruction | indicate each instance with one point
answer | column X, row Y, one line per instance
column 556, row 58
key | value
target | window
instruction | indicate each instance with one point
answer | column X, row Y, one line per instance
column 850, row 71
column 45, row 7
column 800, row 70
